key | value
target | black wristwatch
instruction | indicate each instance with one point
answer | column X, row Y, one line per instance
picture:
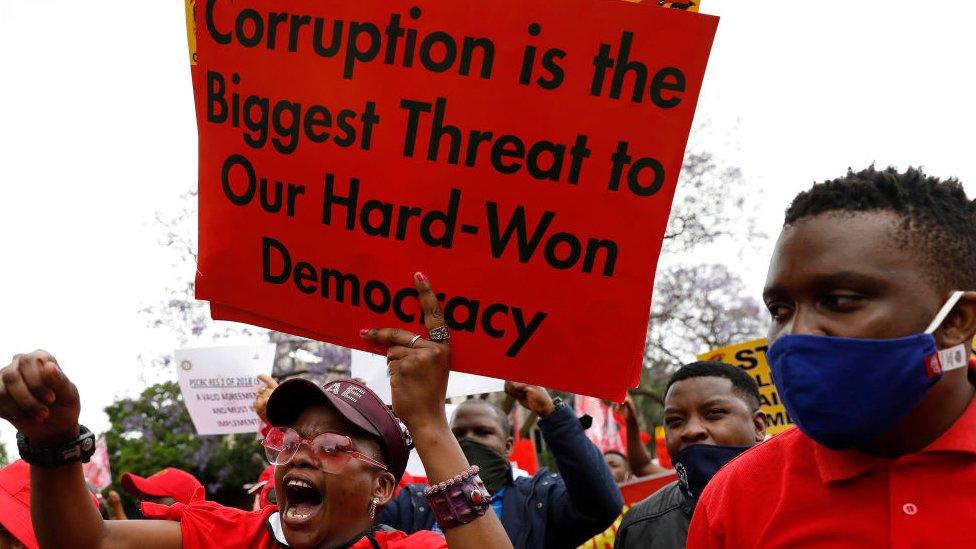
column 79, row 449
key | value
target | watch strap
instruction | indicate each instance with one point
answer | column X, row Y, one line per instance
column 77, row 449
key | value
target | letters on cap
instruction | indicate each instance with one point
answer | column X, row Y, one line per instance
column 352, row 393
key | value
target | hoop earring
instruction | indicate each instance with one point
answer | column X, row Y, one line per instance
column 372, row 508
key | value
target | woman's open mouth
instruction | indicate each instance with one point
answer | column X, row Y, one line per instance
column 302, row 501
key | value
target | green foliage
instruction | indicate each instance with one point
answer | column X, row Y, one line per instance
column 154, row 431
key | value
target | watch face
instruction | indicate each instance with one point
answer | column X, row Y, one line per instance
column 87, row 444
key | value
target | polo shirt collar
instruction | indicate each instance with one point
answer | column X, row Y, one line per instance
column 274, row 524
column 837, row 465
column 961, row 436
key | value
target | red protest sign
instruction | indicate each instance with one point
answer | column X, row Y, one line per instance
column 635, row 490
column 522, row 155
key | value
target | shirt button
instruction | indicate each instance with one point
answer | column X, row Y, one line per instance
column 539, row 505
column 909, row 509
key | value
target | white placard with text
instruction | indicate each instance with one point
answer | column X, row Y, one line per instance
column 219, row 385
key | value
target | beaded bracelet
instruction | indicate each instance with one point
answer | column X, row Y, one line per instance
column 458, row 500
column 456, row 479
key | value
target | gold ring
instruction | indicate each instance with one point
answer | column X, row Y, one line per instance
column 414, row 340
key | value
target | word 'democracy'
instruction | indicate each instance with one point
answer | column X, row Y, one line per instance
column 523, row 155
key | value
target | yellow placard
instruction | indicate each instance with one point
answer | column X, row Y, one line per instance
column 191, row 30
column 751, row 357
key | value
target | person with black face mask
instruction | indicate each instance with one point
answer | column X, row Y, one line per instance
column 711, row 415
column 873, row 313
column 546, row 510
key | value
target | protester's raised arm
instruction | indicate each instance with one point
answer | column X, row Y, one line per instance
column 418, row 377
column 590, row 499
column 42, row 404
column 637, row 456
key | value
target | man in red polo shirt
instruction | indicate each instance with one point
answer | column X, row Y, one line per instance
column 870, row 340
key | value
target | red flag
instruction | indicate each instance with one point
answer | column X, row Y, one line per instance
column 604, row 432
column 98, row 471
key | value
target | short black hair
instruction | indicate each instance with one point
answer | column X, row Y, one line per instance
column 503, row 420
column 938, row 219
column 742, row 383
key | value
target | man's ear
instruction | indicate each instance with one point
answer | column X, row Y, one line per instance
column 960, row 325
column 509, row 446
column 383, row 487
column 760, row 422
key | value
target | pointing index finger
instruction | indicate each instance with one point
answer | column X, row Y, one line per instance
column 268, row 381
column 433, row 317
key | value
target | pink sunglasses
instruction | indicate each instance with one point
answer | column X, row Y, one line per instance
column 333, row 451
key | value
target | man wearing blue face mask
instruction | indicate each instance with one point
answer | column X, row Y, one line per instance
column 870, row 340
column 711, row 415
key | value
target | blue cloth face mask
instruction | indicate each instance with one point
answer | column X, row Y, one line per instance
column 697, row 464
column 844, row 392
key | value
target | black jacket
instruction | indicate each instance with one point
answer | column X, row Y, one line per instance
column 547, row 510
column 658, row 522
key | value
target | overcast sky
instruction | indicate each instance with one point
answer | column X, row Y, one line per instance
column 97, row 133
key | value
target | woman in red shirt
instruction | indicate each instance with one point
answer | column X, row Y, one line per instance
column 338, row 453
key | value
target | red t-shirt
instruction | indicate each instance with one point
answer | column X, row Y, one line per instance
column 206, row 524
column 792, row 492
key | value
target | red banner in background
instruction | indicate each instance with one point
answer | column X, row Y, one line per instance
column 642, row 487
column 523, row 155
column 604, row 432
column 98, row 470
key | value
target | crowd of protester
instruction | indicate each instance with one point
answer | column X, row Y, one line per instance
column 871, row 292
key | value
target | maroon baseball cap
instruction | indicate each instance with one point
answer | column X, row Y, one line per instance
column 355, row 402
